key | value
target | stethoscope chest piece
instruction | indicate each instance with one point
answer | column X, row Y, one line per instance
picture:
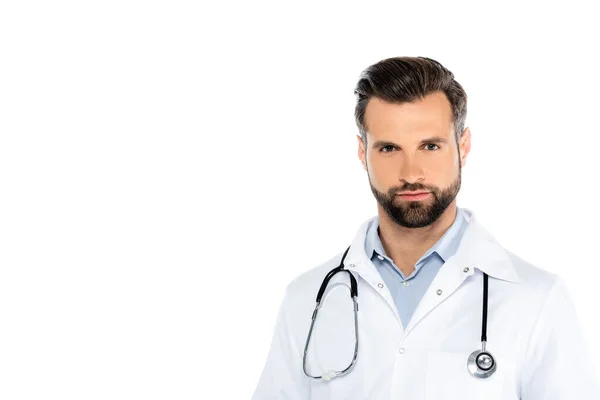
column 481, row 364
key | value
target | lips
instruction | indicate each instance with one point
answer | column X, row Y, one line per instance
column 411, row 193
column 414, row 196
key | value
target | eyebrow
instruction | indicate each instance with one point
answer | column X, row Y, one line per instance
column 434, row 139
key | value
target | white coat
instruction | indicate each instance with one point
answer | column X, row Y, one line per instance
column 533, row 332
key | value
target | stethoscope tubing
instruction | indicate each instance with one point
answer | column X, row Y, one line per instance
column 480, row 364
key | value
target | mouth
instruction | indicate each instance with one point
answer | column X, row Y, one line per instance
column 414, row 195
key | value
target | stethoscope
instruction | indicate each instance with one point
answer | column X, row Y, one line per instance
column 480, row 364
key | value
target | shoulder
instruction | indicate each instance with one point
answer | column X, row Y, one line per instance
column 532, row 275
column 301, row 295
column 301, row 292
column 311, row 279
column 539, row 287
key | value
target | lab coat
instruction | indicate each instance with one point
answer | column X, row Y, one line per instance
column 533, row 332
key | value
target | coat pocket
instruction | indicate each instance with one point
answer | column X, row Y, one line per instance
column 447, row 377
column 347, row 387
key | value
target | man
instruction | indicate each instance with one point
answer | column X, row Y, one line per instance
column 423, row 268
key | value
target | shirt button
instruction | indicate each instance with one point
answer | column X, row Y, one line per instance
column 380, row 285
column 401, row 350
column 405, row 283
column 439, row 291
column 466, row 269
column 380, row 257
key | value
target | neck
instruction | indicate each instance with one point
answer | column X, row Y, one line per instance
column 406, row 245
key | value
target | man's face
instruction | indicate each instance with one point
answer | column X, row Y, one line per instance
column 412, row 147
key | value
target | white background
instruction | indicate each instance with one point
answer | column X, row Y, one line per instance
column 166, row 168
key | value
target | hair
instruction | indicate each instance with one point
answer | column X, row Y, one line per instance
column 405, row 80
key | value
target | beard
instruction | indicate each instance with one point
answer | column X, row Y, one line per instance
column 417, row 213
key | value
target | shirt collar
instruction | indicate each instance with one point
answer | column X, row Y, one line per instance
column 444, row 247
column 477, row 248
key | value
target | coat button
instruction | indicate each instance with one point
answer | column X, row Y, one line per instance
column 380, row 285
column 466, row 269
column 439, row 291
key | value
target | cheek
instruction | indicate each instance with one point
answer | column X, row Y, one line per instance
column 440, row 174
column 381, row 176
column 444, row 166
column 382, row 170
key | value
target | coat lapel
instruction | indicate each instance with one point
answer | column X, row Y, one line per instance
column 478, row 249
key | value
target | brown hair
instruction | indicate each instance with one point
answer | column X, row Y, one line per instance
column 408, row 79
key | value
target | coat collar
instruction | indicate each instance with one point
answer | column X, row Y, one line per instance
column 477, row 249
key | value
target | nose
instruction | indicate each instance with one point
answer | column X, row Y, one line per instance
column 412, row 170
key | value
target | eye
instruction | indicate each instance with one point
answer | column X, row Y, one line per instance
column 432, row 144
column 385, row 147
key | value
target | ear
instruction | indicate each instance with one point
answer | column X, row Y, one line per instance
column 464, row 146
column 361, row 152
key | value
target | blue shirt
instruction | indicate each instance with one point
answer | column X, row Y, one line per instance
column 408, row 291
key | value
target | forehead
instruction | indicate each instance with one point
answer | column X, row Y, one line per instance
column 432, row 114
